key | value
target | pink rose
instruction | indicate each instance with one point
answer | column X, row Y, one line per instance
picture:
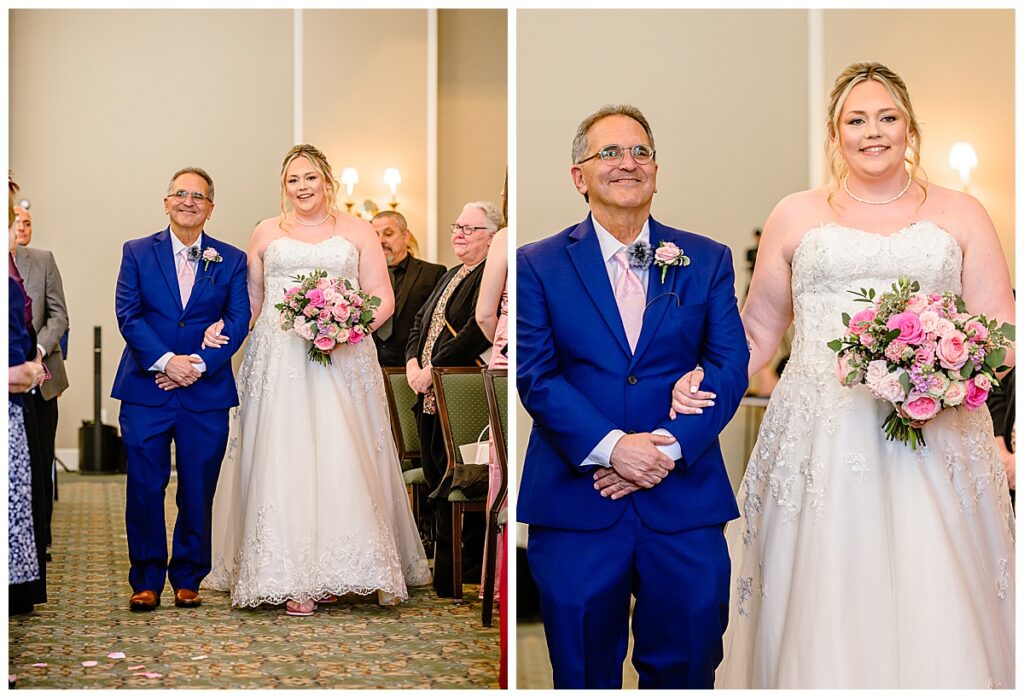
column 210, row 254
column 909, row 325
column 920, row 407
column 976, row 331
column 292, row 291
column 325, row 314
column 867, row 339
column 955, row 393
column 983, row 382
column 890, row 388
column 356, row 334
column 666, row 253
column 951, row 351
column 310, row 310
column 843, row 369
column 929, row 321
column 322, row 284
column 944, row 328
column 340, row 312
column 343, row 334
column 315, row 297
column 939, row 385
column 860, row 322
column 357, row 301
column 325, row 343
column 924, row 356
column 877, row 370
column 975, row 396
column 917, row 303
column 934, row 297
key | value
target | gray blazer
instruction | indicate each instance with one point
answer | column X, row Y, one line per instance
column 49, row 311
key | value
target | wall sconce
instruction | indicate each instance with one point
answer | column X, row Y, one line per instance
column 963, row 159
column 392, row 177
column 350, row 178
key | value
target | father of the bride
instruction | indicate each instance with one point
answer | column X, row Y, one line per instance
column 171, row 287
column 622, row 500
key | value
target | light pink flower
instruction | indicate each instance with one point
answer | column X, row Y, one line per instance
column 310, row 310
column 909, row 325
column 925, row 356
column 867, row 339
column 951, row 351
column 340, row 312
column 325, row 314
column 955, row 393
column 983, row 382
column 322, row 284
column 877, row 370
column 896, row 350
column 356, row 334
column 917, row 303
column 315, row 297
column 976, row 331
column 940, row 384
column 843, row 369
column 343, row 335
column 890, row 388
column 920, row 407
column 356, row 301
column 667, row 253
column 210, row 254
column 861, row 321
column 332, row 331
column 975, row 396
column 325, row 343
column 929, row 321
column 944, row 328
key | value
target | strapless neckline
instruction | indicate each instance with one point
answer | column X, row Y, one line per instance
column 916, row 226
column 313, row 244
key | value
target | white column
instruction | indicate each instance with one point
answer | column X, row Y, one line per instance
column 432, row 243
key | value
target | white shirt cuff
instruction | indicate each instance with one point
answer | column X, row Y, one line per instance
column 161, row 364
column 602, row 453
column 201, row 366
column 673, row 450
column 41, row 350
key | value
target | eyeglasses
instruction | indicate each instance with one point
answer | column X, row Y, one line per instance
column 198, row 197
column 468, row 230
column 641, row 154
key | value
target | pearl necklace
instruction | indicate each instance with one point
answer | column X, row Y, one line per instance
column 313, row 225
column 853, row 196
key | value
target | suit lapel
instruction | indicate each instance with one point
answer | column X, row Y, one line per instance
column 412, row 273
column 23, row 261
column 659, row 295
column 164, row 252
column 204, row 277
column 585, row 253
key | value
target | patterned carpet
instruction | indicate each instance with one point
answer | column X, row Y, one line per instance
column 424, row 643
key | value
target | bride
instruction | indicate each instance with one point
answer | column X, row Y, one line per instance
column 310, row 503
column 858, row 562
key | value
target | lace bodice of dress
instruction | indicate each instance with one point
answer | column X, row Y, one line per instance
column 832, row 260
column 285, row 257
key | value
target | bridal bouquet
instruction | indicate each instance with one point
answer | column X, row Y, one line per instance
column 326, row 312
column 920, row 352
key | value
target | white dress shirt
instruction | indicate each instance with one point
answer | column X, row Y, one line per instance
column 177, row 246
column 602, row 453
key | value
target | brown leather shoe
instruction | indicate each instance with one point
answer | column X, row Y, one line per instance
column 145, row 600
column 186, row 598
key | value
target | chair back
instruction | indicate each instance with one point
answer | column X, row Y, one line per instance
column 496, row 387
column 461, row 406
column 401, row 399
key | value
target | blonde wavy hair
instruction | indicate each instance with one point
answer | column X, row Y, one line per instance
column 897, row 89
column 320, row 164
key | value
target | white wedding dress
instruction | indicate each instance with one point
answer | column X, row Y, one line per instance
column 858, row 562
column 310, row 500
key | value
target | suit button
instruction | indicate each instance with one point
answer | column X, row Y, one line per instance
column 181, row 324
column 632, row 380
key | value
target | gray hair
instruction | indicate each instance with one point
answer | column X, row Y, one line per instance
column 192, row 170
column 490, row 210
column 580, row 145
column 399, row 218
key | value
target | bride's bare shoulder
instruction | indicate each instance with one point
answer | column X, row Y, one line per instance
column 796, row 214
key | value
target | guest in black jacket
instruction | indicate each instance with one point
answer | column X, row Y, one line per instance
column 445, row 333
column 412, row 280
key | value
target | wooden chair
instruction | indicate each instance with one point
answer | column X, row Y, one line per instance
column 401, row 399
column 462, row 408
column 496, row 388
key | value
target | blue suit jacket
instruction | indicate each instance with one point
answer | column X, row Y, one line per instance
column 153, row 322
column 578, row 379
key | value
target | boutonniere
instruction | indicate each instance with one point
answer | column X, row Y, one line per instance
column 669, row 255
column 211, row 256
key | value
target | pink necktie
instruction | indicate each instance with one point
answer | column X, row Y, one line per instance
column 631, row 299
column 186, row 277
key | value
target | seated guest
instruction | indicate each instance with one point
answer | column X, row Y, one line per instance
column 412, row 280
column 445, row 333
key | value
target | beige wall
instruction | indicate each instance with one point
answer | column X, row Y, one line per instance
column 726, row 93
column 106, row 104
column 364, row 101
column 472, row 114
